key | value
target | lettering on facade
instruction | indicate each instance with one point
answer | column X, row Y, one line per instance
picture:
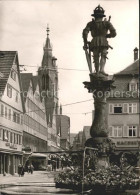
column 127, row 143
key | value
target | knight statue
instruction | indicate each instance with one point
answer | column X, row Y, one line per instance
column 99, row 45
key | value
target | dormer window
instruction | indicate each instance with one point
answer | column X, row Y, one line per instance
column 13, row 75
column 133, row 85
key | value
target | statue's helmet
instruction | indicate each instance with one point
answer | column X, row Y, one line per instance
column 99, row 12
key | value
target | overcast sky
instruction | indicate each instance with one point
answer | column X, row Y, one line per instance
column 23, row 28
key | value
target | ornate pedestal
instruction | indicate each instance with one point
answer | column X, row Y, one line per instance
column 100, row 86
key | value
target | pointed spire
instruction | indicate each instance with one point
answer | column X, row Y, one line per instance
column 48, row 30
column 48, row 43
column 47, row 57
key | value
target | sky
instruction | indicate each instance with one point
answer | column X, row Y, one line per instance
column 23, row 28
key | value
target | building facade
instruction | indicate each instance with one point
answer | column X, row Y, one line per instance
column 63, row 129
column 11, row 113
column 124, row 109
column 35, row 126
column 35, row 131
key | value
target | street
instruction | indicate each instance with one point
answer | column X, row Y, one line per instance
column 40, row 182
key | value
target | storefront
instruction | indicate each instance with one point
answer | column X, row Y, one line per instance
column 9, row 161
column 38, row 160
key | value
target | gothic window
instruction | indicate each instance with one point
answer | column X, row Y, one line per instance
column 43, row 82
column 47, row 82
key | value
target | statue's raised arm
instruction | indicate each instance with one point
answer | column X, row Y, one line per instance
column 99, row 45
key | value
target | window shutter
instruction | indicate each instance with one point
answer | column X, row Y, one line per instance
column 125, row 131
column 111, row 109
column 125, row 108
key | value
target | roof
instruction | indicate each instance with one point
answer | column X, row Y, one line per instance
column 38, row 155
column 131, row 69
column 25, row 80
column 6, row 62
column 48, row 43
column 35, row 81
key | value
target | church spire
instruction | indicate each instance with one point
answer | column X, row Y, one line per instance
column 47, row 50
column 48, row 43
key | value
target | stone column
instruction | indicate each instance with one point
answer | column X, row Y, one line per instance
column 99, row 85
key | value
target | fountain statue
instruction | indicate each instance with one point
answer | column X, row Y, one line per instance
column 99, row 83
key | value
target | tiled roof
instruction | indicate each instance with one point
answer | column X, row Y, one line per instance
column 25, row 81
column 6, row 62
column 132, row 69
column 35, row 81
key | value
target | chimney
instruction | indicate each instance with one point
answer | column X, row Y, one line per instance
column 135, row 53
column 60, row 109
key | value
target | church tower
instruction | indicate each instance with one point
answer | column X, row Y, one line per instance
column 48, row 76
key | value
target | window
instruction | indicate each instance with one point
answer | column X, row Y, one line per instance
column 9, row 91
column 9, row 115
column 14, row 116
column 20, row 139
column 117, row 108
column 5, row 112
column 16, row 99
column 5, row 135
column 11, row 137
column 123, row 108
column 1, row 133
column 18, row 118
column 21, row 120
column 133, row 87
column 15, row 138
column 132, row 131
column 2, row 110
column 13, row 75
column 115, row 131
column 132, row 108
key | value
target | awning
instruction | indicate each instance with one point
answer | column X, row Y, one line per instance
column 38, row 155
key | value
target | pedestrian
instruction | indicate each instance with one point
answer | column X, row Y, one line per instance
column 31, row 168
column 19, row 169
column 22, row 171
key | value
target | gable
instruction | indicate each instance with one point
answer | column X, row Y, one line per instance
column 6, row 62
